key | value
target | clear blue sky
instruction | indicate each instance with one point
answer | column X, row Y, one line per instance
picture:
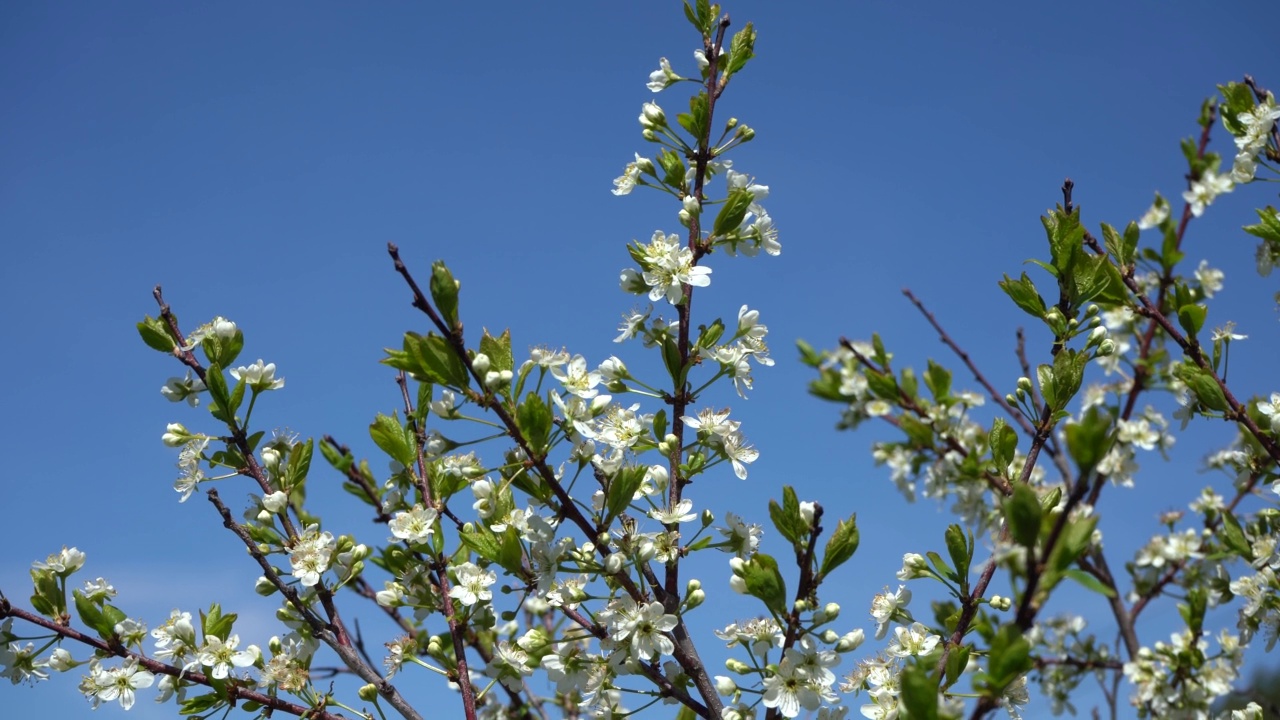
column 256, row 158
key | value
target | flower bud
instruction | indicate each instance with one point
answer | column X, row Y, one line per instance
column 725, row 686
column 264, row 587
column 480, row 363
column 738, row 584
column 613, row 564
column 61, row 660
column 1107, row 348
column 649, row 135
column 175, row 434
column 829, row 636
column 271, row 457
column 801, row 605
column 832, row 610
column 999, row 602
column 745, row 134
column 735, row 665
column 651, row 116
column 434, row 643
column 685, row 218
column 1096, row 336
column 1024, row 384
column 708, row 517
column 733, row 123
column 694, row 599
column 275, row 502
column 368, row 693
column 850, row 641
column 274, row 645
column 264, row 517
column 691, row 205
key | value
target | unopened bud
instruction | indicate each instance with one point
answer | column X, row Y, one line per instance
column 368, row 693
column 480, row 363
column 708, row 517
column 271, row 457
column 733, row 123
column 264, row 517
column 691, row 205
column 175, row 434
column 1107, row 348
column 1024, row 384
column 850, row 641
column 264, row 587
column 734, row 665
column 649, row 135
column 275, row 502
column 746, row 134
column 725, row 686
column 999, row 602
column 830, row 637
column 651, row 116
column 613, row 564
column 694, row 599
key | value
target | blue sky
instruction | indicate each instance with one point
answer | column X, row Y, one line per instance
column 255, row 160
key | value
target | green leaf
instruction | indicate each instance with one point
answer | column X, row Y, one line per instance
column 671, row 358
column 510, row 552
column 1237, row 99
column 942, row 567
column 155, row 333
column 394, row 439
column 1048, row 387
column 499, row 350
column 938, row 380
column 481, row 541
column 91, row 615
column 533, row 417
column 1065, row 235
column 763, row 580
column 335, row 457
column 695, row 121
column 786, row 517
column 201, row 703
column 841, row 546
column 432, row 359
column 1193, row 610
column 957, row 661
column 216, row 623
column 1024, row 294
column 1008, row 658
column 1202, row 384
column 919, row 435
column 1089, row 582
column 1068, row 374
column 219, row 408
column 660, row 425
column 1234, row 538
column 742, row 48
column 960, row 548
column 1073, row 541
column 732, row 212
column 444, row 292
column 919, row 693
column 1004, row 442
column 1191, row 317
column 1269, row 226
column 1022, row 512
column 299, row 464
column 622, row 489
column 1088, row 440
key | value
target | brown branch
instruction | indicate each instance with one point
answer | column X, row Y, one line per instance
column 235, row 690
